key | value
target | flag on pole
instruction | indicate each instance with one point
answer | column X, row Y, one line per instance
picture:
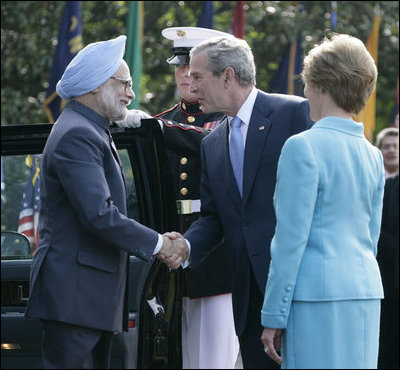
column 133, row 55
column 395, row 115
column 333, row 15
column 287, row 78
column 206, row 19
column 29, row 215
column 238, row 25
column 69, row 44
column 367, row 116
column 3, row 186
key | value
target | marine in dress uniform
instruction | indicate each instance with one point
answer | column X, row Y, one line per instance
column 208, row 334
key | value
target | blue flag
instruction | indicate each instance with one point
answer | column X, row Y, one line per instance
column 287, row 79
column 395, row 115
column 333, row 15
column 69, row 44
column 206, row 19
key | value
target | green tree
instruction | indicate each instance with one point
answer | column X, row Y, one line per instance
column 29, row 31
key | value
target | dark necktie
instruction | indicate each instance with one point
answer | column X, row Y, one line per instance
column 114, row 151
column 113, row 148
column 236, row 151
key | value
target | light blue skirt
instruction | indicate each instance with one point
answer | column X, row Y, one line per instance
column 332, row 335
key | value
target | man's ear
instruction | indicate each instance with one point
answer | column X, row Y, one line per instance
column 229, row 75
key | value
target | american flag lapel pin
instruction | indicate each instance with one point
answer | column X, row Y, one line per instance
column 261, row 128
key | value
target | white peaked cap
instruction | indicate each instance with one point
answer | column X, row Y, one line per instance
column 189, row 37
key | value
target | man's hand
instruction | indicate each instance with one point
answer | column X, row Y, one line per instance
column 133, row 118
column 174, row 250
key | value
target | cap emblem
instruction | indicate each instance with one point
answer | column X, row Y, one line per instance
column 180, row 33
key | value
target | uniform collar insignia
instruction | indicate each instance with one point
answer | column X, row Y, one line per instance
column 190, row 108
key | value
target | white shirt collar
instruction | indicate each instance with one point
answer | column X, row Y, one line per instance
column 246, row 109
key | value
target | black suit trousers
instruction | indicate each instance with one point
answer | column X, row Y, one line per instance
column 68, row 346
column 389, row 334
column 251, row 347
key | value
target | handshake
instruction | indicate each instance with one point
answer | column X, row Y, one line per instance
column 174, row 250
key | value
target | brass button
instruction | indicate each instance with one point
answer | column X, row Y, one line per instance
column 184, row 176
column 200, row 107
column 183, row 160
column 191, row 119
column 184, row 106
column 184, row 191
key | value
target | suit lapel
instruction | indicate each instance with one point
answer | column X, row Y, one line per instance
column 114, row 151
column 256, row 137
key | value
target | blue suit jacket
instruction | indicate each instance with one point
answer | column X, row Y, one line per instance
column 79, row 271
column 247, row 224
column 328, row 203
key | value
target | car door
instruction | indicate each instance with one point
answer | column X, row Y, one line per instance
column 154, row 293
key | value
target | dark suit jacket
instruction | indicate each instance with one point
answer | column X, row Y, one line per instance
column 388, row 247
column 79, row 271
column 388, row 259
column 184, row 129
column 248, row 224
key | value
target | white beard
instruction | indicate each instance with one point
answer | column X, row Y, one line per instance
column 111, row 106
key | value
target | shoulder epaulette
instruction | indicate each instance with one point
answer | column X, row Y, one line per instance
column 166, row 111
column 169, row 123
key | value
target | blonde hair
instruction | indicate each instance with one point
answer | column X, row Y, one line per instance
column 343, row 67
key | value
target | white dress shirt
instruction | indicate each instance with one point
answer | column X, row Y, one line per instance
column 244, row 113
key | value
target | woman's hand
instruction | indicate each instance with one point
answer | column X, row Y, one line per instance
column 271, row 339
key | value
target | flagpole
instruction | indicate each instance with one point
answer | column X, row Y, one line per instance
column 133, row 55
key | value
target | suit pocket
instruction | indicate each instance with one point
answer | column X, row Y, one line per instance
column 98, row 261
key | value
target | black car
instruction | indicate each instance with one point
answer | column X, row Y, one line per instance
column 154, row 336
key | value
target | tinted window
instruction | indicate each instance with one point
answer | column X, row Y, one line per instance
column 20, row 200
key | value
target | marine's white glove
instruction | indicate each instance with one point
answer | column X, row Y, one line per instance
column 133, row 118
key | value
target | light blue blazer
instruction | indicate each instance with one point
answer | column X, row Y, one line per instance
column 328, row 204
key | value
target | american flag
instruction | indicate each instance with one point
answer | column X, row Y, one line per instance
column 29, row 215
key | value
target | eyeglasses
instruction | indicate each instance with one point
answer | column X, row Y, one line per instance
column 127, row 83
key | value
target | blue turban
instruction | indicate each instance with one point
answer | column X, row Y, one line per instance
column 91, row 67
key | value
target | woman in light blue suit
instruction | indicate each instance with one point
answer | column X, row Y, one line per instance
column 322, row 299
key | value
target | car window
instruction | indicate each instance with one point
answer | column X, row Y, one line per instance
column 20, row 200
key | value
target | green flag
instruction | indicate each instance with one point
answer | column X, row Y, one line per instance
column 133, row 55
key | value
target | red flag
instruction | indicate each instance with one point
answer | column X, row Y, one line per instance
column 239, row 20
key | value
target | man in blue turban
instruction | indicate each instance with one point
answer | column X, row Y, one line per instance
column 91, row 67
column 79, row 272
